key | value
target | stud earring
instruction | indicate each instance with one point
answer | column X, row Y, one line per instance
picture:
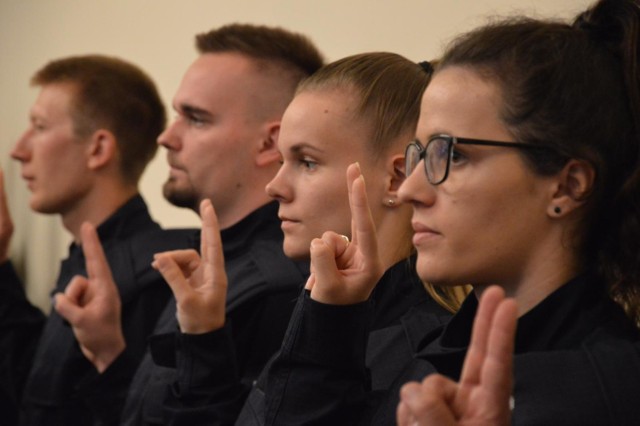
column 557, row 210
column 390, row 202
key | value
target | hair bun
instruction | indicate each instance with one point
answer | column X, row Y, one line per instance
column 426, row 66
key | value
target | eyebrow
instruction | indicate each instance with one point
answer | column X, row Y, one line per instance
column 302, row 146
column 193, row 111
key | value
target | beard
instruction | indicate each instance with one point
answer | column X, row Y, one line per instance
column 180, row 196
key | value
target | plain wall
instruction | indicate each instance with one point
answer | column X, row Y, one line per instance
column 158, row 36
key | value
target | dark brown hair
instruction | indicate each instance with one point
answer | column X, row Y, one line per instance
column 115, row 95
column 575, row 89
column 293, row 55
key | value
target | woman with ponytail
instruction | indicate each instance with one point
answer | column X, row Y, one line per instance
column 563, row 195
column 525, row 182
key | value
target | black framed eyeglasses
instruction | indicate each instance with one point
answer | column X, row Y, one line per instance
column 439, row 151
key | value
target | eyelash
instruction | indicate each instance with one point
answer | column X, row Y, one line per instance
column 195, row 121
column 457, row 153
column 308, row 163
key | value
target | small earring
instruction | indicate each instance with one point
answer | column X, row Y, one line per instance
column 557, row 210
column 390, row 202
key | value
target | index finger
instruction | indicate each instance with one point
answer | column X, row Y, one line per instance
column 497, row 371
column 473, row 362
column 363, row 231
column 96, row 262
column 211, row 246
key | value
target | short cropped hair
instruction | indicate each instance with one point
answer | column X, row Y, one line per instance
column 285, row 57
column 115, row 95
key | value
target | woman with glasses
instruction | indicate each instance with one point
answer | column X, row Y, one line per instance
column 360, row 109
column 525, row 175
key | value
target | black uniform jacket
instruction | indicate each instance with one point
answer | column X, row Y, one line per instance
column 577, row 362
column 41, row 362
column 180, row 380
column 325, row 361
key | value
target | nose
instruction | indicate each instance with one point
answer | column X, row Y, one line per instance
column 21, row 150
column 170, row 138
column 278, row 189
column 416, row 189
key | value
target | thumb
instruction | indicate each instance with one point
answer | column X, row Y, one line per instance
column 310, row 281
column 325, row 273
column 67, row 308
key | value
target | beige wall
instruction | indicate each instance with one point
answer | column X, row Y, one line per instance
column 158, row 36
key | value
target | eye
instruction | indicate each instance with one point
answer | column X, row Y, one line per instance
column 196, row 121
column 308, row 163
column 457, row 157
column 38, row 126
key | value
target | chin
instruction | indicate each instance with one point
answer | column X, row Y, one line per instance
column 40, row 206
column 295, row 251
column 432, row 272
column 180, row 197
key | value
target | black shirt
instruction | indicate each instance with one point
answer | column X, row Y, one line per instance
column 577, row 362
column 196, row 378
column 332, row 356
column 59, row 386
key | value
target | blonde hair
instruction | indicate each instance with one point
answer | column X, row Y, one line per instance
column 450, row 298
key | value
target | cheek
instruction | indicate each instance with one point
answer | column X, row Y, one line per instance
column 330, row 210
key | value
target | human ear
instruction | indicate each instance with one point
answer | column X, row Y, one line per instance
column 102, row 148
column 573, row 186
column 268, row 150
column 394, row 167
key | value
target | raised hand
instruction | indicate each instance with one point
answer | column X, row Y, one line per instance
column 6, row 224
column 344, row 273
column 198, row 284
column 92, row 305
column 481, row 398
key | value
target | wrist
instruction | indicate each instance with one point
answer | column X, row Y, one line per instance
column 199, row 326
column 103, row 359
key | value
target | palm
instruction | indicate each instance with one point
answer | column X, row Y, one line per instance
column 199, row 284
column 482, row 396
column 342, row 272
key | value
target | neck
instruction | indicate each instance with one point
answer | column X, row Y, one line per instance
column 96, row 207
column 547, row 270
column 233, row 207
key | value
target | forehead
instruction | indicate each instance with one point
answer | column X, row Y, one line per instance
column 458, row 101
column 54, row 100
column 325, row 119
column 216, row 78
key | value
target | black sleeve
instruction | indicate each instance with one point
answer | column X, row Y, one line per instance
column 208, row 390
column 319, row 376
column 20, row 327
column 106, row 393
column 216, row 370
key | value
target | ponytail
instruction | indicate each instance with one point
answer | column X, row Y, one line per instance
column 615, row 24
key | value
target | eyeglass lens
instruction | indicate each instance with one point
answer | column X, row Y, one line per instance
column 437, row 157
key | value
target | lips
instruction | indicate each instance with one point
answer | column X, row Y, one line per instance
column 287, row 223
column 423, row 234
